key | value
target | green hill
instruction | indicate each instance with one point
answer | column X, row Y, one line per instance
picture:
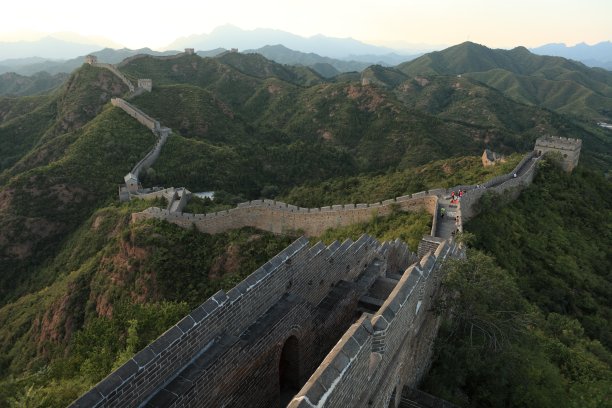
column 74, row 274
column 531, row 318
column 42, row 206
column 553, row 82
column 35, row 121
column 19, row 85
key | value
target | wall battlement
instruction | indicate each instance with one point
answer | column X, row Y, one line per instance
column 279, row 218
column 567, row 147
column 370, row 363
column 562, row 143
column 115, row 71
column 299, row 311
column 287, row 297
column 137, row 114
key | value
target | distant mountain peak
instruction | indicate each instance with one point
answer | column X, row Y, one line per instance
column 229, row 36
column 596, row 55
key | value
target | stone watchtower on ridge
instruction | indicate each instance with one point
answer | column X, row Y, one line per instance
column 91, row 59
column 568, row 148
column 146, row 84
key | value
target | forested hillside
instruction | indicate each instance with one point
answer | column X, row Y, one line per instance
column 532, row 310
column 82, row 288
column 556, row 83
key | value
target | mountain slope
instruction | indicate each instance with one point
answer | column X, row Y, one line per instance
column 40, row 207
column 79, row 100
column 552, row 338
column 525, row 77
column 81, row 289
column 283, row 55
column 18, row 85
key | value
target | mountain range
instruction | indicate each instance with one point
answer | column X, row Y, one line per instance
column 596, row 55
column 77, row 277
column 229, row 36
column 48, row 47
column 556, row 83
column 33, row 65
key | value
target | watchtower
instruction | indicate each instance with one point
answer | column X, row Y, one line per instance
column 91, row 59
column 568, row 148
column 131, row 182
column 146, row 84
column 189, row 51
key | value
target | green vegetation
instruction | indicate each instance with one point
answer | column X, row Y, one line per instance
column 55, row 343
column 20, row 133
column 556, row 239
column 81, row 288
column 530, row 321
column 407, row 226
column 556, row 83
column 206, row 263
column 19, row 85
column 372, row 189
column 49, row 202
column 197, row 205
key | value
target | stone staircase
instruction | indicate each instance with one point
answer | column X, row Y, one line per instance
column 413, row 398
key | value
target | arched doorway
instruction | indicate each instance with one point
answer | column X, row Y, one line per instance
column 289, row 370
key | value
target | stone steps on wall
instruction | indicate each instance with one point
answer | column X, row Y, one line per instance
column 413, row 398
column 338, row 292
column 184, row 380
column 377, row 294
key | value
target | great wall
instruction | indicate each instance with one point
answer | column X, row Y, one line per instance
column 345, row 325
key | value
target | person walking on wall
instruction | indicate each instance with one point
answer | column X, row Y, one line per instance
column 442, row 212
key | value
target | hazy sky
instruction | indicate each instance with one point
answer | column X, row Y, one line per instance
column 153, row 23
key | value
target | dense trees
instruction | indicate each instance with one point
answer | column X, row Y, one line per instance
column 529, row 319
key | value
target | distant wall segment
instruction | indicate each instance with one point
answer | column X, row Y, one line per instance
column 132, row 178
column 279, row 218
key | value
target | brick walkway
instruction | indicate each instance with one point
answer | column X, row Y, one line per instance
column 446, row 225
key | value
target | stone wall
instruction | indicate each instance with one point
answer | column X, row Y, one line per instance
column 157, row 57
column 219, row 353
column 146, row 84
column 118, row 73
column 150, row 123
column 567, row 147
column 136, row 113
column 383, row 352
column 279, row 218
column 506, row 184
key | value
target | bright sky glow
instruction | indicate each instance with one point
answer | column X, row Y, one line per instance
column 155, row 24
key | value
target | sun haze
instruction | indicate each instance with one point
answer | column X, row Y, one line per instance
column 386, row 22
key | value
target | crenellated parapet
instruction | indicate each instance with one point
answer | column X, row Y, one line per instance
column 385, row 351
column 568, row 148
column 306, row 296
column 282, row 218
column 347, row 324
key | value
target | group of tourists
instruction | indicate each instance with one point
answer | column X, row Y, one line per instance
column 455, row 197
